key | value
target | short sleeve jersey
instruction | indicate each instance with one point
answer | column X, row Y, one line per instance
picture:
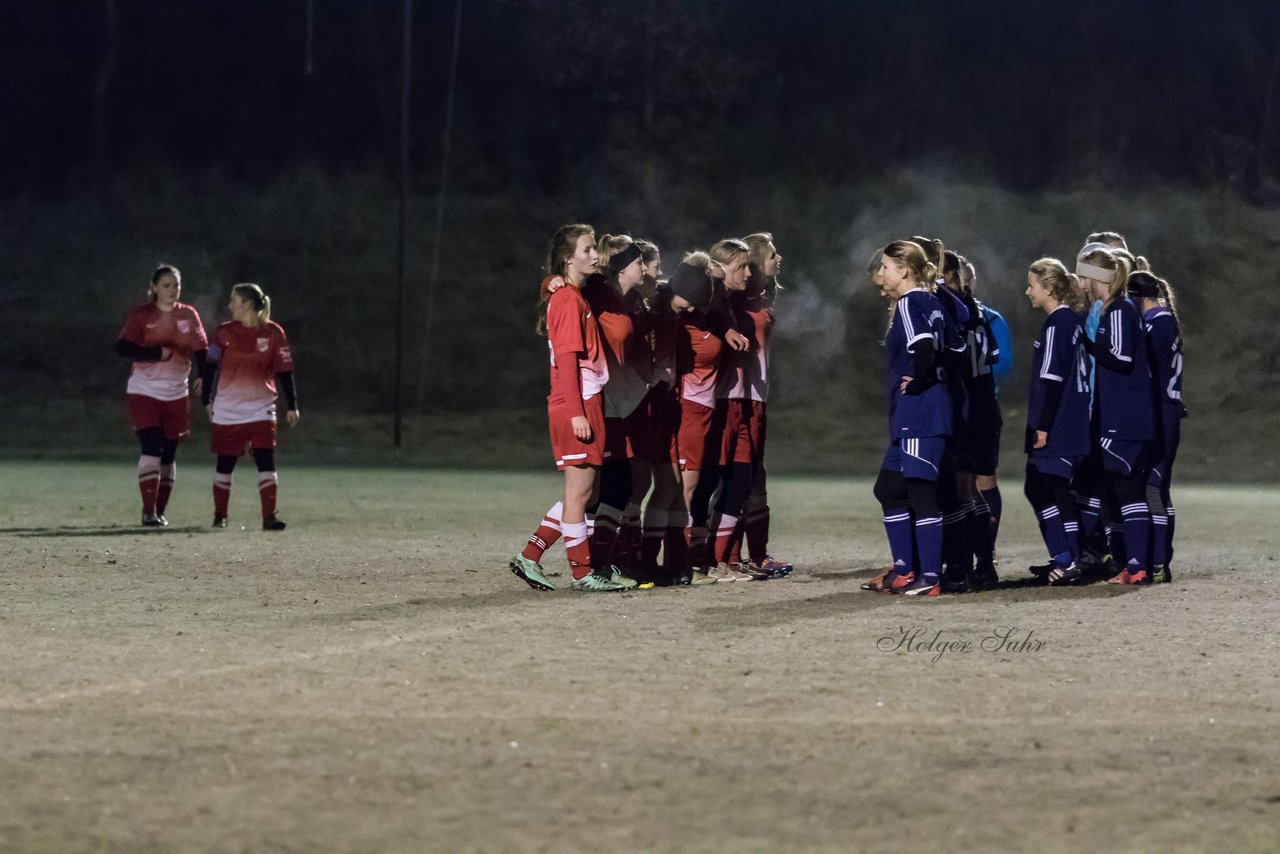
column 916, row 416
column 1164, row 346
column 248, row 357
column 1058, row 357
column 178, row 329
column 1125, row 404
column 698, row 359
column 571, row 328
column 626, row 352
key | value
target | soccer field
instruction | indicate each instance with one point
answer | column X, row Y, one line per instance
column 375, row 679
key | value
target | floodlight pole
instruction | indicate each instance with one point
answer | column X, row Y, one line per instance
column 405, row 66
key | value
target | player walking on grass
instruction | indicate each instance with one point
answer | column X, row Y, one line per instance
column 249, row 362
column 575, row 411
column 1057, row 435
column 164, row 338
column 1124, row 409
column 1164, row 346
column 919, row 423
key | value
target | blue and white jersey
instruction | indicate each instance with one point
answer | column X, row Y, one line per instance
column 1125, row 403
column 917, row 317
column 1164, row 346
column 1059, row 358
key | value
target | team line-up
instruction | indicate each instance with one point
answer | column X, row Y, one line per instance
column 660, row 389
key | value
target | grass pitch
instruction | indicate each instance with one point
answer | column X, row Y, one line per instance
column 374, row 679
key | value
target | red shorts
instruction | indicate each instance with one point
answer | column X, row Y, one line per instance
column 699, row 437
column 567, row 449
column 664, row 424
column 735, row 439
column 758, row 427
column 627, row 438
column 229, row 440
column 172, row 416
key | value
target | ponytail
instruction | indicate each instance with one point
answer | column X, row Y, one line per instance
column 260, row 301
column 563, row 244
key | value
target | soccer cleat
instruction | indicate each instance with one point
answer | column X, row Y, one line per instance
column 152, row 520
column 750, row 569
column 883, row 582
column 1064, row 574
column 775, row 568
column 164, row 523
column 1041, row 570
column 1161, row 574
column 955, row 579
column 219, row 521
column 724, row 572
column 922, row 587
column 592, row 583
column 272, row 523
column 1126, row 576
column 623, row 581
column 984, row 577
column 529, row 572
column 900, row 582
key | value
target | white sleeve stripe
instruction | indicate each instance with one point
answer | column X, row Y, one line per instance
column 907, row 325
column 1048, row 356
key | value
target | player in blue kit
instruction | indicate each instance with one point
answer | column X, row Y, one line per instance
column 1057, row 414
column 1124, row 409
column 919, row 419
column 1164, row 348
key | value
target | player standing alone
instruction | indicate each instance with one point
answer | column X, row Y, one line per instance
column 250, row 360
column 164, row 338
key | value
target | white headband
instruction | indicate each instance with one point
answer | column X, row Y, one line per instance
column 1089, row 271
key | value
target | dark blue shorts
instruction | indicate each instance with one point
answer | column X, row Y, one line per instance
column 1052, row 464
column 1124, row 456
column 917, row 458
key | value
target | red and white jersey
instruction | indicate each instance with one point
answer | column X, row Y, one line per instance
column 732, row 382
column 248, row 357
column 180, row 330
column 760, row 321
column 626, row 350
column 698, row 360
column 571, row 328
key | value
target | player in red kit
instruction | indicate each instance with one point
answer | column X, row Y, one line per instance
column 575, row 410
column 248, row 362
column 758, row 311
column 164, row 338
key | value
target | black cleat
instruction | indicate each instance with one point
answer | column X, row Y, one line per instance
column 984, row 577
column 151, row 520
column 1060, row 575
column 271, row 523
column 219, row 522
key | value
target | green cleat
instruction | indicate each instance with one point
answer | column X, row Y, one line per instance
column 626, row 582
column 592, row 583
column 530, row 573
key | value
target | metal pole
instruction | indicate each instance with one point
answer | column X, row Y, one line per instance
column 405, row 66
column 446, row 147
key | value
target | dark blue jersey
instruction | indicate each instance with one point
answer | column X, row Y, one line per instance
column 982, row 354
column 957, row 318
column 917, row 318
column 1164, row 347
column 1058, row 398
column 1124, row 403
